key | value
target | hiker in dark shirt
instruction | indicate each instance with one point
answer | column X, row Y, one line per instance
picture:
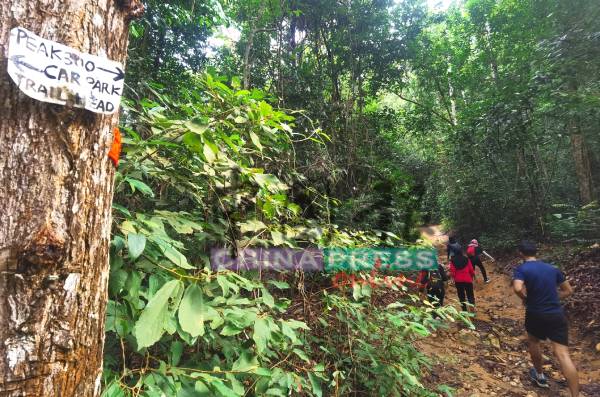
column 432, row 281
column 474, row 252
column 453, row 247
column 541, row 286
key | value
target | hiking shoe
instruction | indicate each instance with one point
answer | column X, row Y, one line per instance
column 538, row 379
column 487, row 281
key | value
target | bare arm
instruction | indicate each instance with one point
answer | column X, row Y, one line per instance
column 565, row 290
column 519, row 288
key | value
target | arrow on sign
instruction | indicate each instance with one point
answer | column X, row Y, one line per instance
column 119, row 73
column 18, row 63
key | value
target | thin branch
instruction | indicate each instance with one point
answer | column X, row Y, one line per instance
column 441, row 116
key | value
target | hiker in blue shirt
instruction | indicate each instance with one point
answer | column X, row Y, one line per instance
column 541, row 286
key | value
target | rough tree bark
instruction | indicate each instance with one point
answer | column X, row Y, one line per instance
column 56, row 193
column 580, row 151
column 581, row 158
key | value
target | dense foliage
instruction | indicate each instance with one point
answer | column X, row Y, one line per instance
column 195, row 177
column 515, row 138
column 334, row 124
column 483, row 115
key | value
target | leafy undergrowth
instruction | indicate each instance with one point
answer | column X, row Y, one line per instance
column 215, row 170
column 583, row 269
column 368, row 344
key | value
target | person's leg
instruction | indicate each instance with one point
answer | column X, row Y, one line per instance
column 460, row 290
column 477, row 263
column 483, row 272
column 470, row 295
column 567, row 367
column 432, row 296
column 535, row 352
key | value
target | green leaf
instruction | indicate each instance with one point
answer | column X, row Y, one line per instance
column 121, row 209
column 267, row 298
column 316, row 384
column 150, row 326
column 139, row 185
column 286, row 127
column 302, row 355
column 366, row 290
column 279, row 284
column 193, row 311
column 176, row 351
column 223, row 390
column 201, row 389
column 356, row 292
column 269, row 182
column 253, row 225
column 135, row 244
column 180, row 222
column 256, row 141
column 193, row 142
column 219, row 386
column 113, row 390
column 295, row 324
column 230, row 330
column 127, row 227
column 195, row 127
column 210, row 151
column 245, row 363
column 236, row 385
column 117, row 281
column 294, row 208
column 240, row 119
column 223, row 283
column 136, row 30
column 262, row 372
column 289, row 332
column 277, row 237
column 261, row 335
column 171, row 253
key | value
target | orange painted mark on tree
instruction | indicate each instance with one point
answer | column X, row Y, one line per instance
column 115, row 149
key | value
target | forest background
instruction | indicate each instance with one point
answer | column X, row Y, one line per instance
column 349, row 123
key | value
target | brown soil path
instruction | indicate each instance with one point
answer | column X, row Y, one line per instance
column 492, row 360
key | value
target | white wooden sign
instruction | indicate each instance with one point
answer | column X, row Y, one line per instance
column 52, row 72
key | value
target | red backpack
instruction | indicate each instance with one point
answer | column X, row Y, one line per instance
column 471, row 251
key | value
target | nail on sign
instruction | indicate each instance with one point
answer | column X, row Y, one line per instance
column 52, row 72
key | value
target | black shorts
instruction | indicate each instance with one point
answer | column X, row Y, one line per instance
column 553, row 326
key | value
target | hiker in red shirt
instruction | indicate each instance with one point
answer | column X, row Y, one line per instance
column 461, row 270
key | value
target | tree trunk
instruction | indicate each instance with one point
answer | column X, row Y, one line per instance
column 451, row 95
column 579, row 149
column 581, row 157
column 56, row 192
column 490, row 53
column 248, row 51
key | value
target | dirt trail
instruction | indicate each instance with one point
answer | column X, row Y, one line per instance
column 492, row 360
